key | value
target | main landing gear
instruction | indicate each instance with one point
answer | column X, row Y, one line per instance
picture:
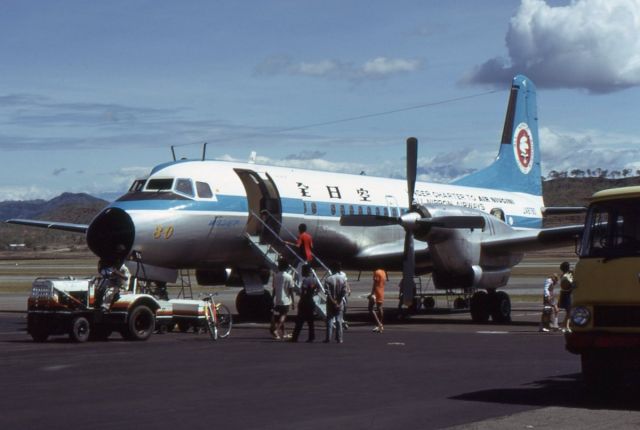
column 490, row 303
column 255, row 307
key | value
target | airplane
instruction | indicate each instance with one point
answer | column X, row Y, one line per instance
column 203, row 215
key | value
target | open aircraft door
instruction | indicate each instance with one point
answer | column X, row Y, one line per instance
column 262, row 195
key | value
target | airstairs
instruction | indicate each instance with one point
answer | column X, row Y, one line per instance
column 271, row 247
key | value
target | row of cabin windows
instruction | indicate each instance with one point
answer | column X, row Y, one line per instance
column 312, row 208
column 182, row 186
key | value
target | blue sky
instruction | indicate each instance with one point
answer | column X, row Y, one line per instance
column 93, row 94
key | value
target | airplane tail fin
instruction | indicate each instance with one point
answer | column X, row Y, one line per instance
column 517, row 166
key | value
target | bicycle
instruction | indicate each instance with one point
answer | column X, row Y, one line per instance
column 218, row 318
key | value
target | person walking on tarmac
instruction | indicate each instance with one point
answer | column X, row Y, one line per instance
column 336, row 288
column 549, row 308
column 308, row 289
column 567, row 284
column 376, row 299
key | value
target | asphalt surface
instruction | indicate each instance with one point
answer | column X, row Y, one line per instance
column 429, row 372
column 432, row 372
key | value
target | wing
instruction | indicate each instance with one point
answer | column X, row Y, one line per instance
column 531, row 240
column 53, row 225
column 389, row 255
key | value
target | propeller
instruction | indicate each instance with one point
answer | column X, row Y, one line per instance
column 407, row 283
column 416, row 220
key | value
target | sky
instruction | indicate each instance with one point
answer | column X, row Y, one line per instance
column 94, row 94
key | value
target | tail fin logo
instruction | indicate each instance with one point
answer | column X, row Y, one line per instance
column 523, row 147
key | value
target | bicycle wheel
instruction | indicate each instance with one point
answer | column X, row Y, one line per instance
column 224, row 320
column 211, row 323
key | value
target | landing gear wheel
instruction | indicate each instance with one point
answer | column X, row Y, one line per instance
column 429, row 302
column 500, row 307
column 480, row 307
column 254, row 307
column 80, row 330
column 141, row 323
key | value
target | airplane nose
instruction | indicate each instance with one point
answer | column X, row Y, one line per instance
column 111, row 234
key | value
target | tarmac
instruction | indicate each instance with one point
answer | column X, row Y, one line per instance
column 432, row 371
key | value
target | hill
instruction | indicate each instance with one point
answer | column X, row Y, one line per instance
column 67, row 207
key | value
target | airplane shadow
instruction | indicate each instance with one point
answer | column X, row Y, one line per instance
column 564, row 391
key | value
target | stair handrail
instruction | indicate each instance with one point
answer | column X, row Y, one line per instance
column 293, row 236
column 289, row 248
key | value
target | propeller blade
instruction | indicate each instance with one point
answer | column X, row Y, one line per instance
column 367, row 220
column 412, row 167
column 407, row 283
column 453, row 222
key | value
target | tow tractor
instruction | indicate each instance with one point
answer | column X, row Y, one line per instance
column 66, row 306
column 59, row 306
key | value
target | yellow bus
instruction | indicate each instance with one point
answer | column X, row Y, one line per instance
column 605, row 314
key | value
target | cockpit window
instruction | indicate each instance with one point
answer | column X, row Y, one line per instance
column 184, row 186
column 137, row 185
column 159, row 185
column 204, row 190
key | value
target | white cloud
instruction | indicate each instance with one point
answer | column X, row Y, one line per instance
column 25, row 192
column 376, row 68
column 589, row 44
column 565, row 150
column 387, row 66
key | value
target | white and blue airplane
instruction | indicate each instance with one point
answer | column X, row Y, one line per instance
column 195, row 214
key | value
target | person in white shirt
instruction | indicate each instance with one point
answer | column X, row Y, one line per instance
column 282, row 285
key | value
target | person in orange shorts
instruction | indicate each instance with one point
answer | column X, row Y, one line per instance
column 376, row 299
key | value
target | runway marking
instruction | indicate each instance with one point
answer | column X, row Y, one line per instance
column 395, row 343
column 492, row 332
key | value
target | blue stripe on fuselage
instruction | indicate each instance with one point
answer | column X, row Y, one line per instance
column 226, row 203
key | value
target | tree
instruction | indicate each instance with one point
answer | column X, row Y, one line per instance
column 626, row 172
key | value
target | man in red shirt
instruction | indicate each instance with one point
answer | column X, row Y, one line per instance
column 304, row 243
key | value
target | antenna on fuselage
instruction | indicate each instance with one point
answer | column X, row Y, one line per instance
column 204, row 151
column 173, row 152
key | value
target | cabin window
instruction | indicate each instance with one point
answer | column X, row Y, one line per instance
column 314, row 208
column 359, row 210
column 368, row 210
column 394, row 212
column 333, row 209
column 185, row 186
column 377, row 211
column 159, row 185
column 341, row 209
column 137, row 185
column 204, row 190
column 386, row 212
column 304, row 207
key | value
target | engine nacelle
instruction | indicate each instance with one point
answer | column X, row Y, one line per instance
column 211, row 277
column 473, row 277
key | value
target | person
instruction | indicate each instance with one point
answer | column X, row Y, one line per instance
column 343, row 275
column 549, row 309
column 308, row 289
column 567, row 285
column 336, row 288
column 282, row 285
column 107, row 289
column 376, row 299
column 305, row 246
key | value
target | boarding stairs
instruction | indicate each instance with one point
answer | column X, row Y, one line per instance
column 270, row 246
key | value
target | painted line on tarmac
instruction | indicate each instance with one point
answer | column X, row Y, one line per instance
column 492, row 332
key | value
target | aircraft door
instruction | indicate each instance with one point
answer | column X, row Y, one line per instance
column 263, row 200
